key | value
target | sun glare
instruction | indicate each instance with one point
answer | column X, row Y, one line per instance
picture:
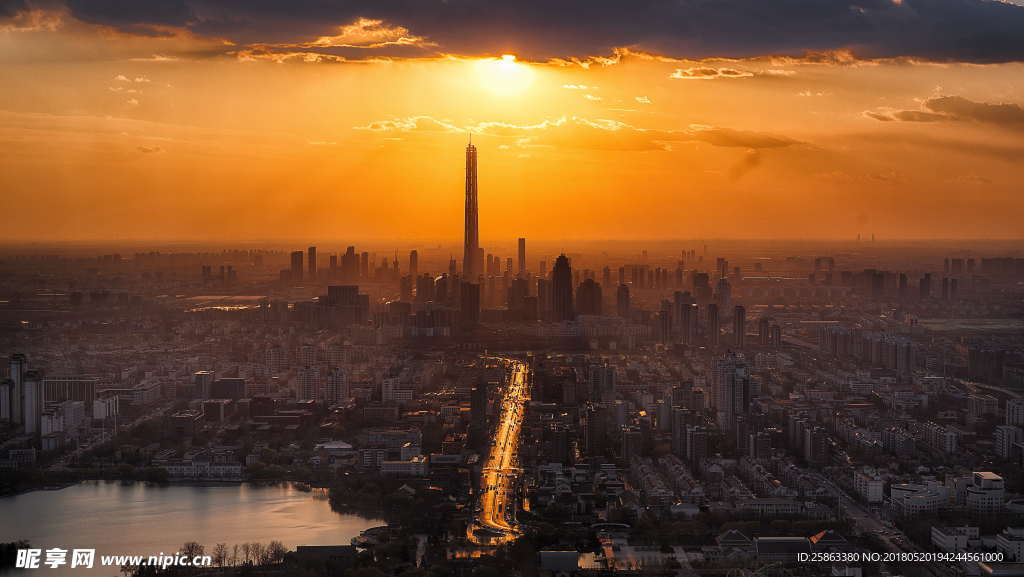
column 504, row 76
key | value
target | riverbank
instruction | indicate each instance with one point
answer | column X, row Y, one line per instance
column 140, row 518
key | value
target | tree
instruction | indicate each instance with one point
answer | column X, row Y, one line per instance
column 9, row 552
column 191, row 549
column 276, row 551
column 259, row 553
column 220, row 554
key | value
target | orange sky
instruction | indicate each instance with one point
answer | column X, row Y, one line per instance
column 106, row 135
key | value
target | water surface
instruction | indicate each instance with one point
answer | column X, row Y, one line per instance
column 116, row 518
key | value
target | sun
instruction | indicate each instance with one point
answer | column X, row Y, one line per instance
column 504, row 76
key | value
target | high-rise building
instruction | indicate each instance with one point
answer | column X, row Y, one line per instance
column 924, row 287
column 5, row 401
column 588, row 298
column 714, row 331
column 622, row 303
column 469, row 303
column 1006, row 439
column 1014, row 411
column 308, row 381
column 632, row 443
column 522, row 256
column 696, row 443
column 479, row 399
column 733, row 392
column 472, row 263
column 19, row 366
column 561, row 290
column 682, row 418
column 739, row 326
column 595, row 432
column 32, row 401
column 201, row 381
column 311, row 257
column 414, row 264
column 350, row 265
column 296, row 269
column 764, row 334
column 602, row 383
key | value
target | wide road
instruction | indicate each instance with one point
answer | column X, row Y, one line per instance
column 494, row 523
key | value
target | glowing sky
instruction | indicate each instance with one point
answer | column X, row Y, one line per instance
column 225, row 120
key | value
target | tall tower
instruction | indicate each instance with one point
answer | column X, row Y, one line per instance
column 472, row 264
column 522, row 256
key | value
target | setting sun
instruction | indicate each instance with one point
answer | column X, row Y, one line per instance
column 504, row 76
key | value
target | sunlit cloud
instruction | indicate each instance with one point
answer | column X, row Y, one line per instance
column 136, row 80
column 367, row 33
column 156, row 58
column 588, row 133
column 265, row 55
column 708, row 73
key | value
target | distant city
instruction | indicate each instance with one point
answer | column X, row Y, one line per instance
column 700, row 407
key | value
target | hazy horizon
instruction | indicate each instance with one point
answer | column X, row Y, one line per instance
column 351, row 122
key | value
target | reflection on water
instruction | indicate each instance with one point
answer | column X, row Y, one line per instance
column 116, row 518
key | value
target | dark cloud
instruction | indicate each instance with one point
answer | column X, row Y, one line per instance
column 960, row 108
column 150, row 18
column 970, row 30
column 11, row 8
column 956, row 108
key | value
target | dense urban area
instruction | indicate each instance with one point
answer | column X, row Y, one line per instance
column 699, row 408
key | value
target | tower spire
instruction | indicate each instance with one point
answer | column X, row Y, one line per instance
column 472, row 257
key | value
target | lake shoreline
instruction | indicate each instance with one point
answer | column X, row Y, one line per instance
column 140, row 518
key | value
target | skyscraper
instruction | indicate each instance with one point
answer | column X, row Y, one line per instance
column 311, row 257
column 469, row 304
column 350, row 266
column 622, row 301
column 337, row 386
column 414, row 264
column 19, row 366
column 739, row 326
column 713, row 329
column 561, row 290
column 472, row 263
column 522, row 256
column 588, row 298
column 733, row 392
column 296, row 270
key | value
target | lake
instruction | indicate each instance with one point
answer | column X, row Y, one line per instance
column 136, row 518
